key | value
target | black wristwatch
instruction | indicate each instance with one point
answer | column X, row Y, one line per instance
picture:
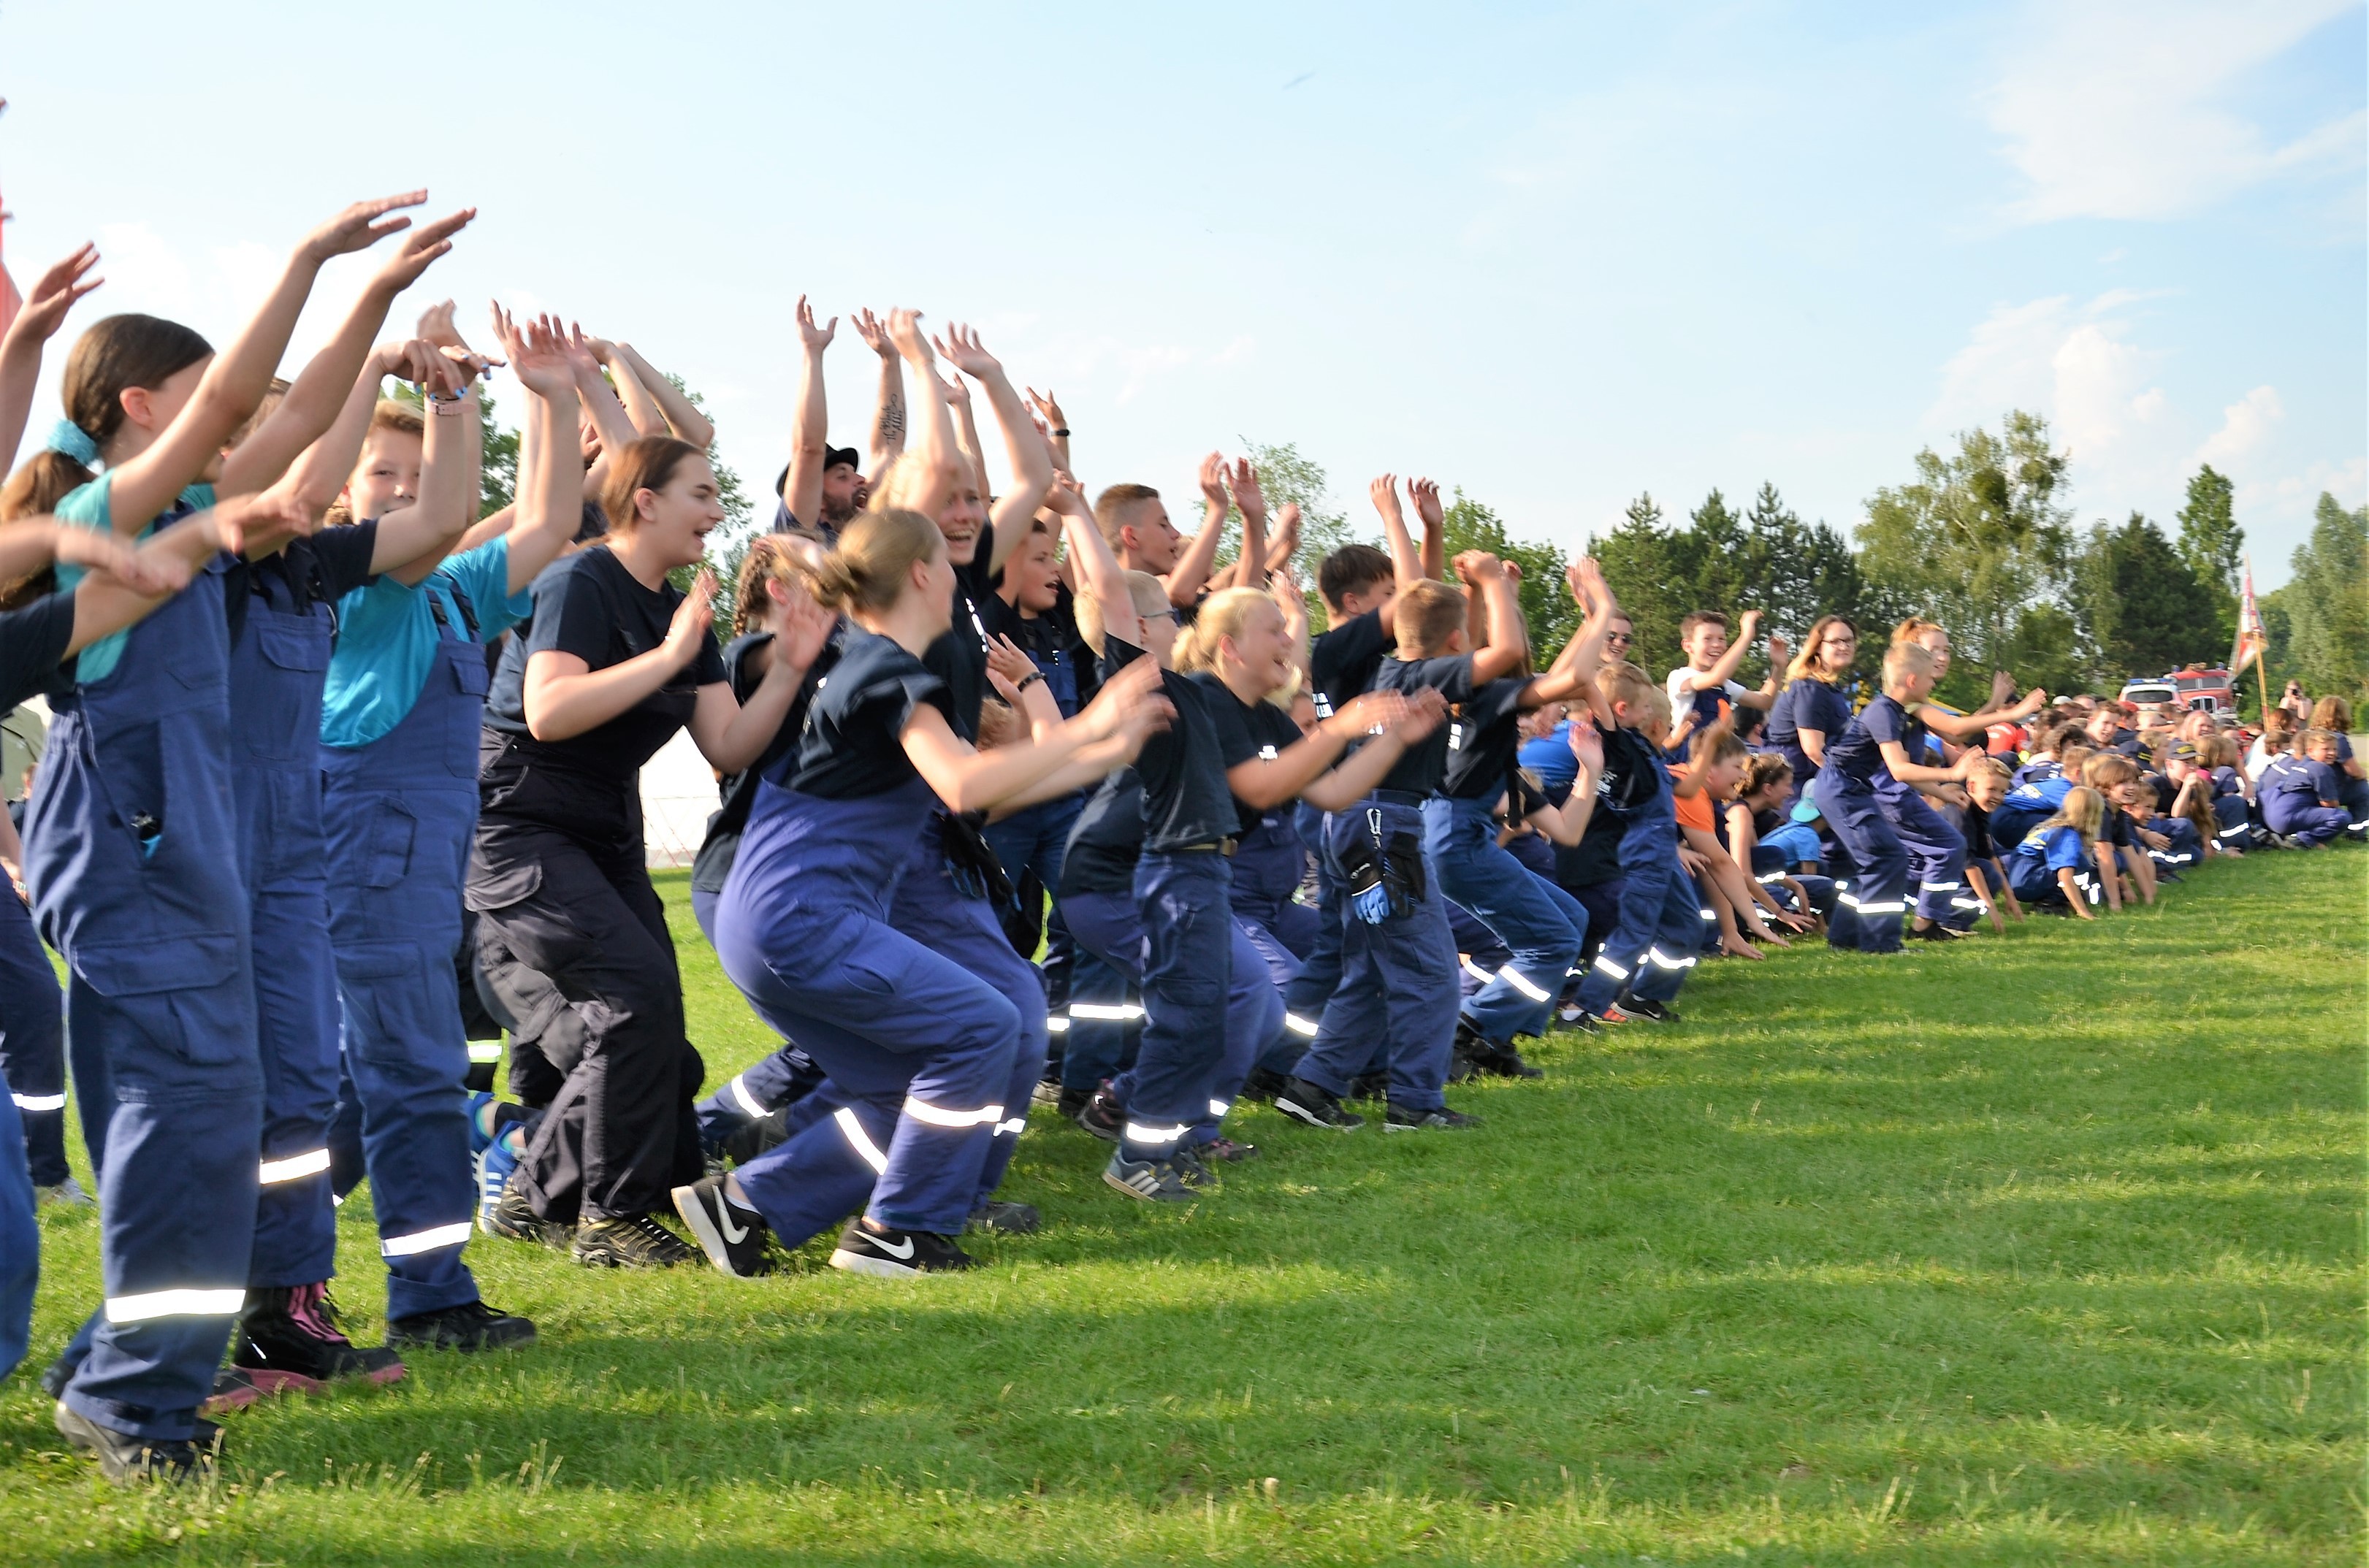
column 1029, row 680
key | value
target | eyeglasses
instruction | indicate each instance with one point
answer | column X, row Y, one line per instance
column 1841, row 642
column 1618, row 638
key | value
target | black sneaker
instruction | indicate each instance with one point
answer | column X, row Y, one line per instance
column 1649, row 1012
column 756, row 1136
column 516, row 1220
column 1103, row 1117
column 639, row 1242
column 1264, row 1084
column 1072, row 1102
column 1937, row 931
column 1399, row 1119
column 732, row 1237
column 1154, row 1181
column 1006, row 1219
column 56, row 1376
column 124, row 1458
column 896, row 1254
column 1582, row 1021
column 1227, row 1149
column 288, row 1338
column 472, row 1325
column 1316, row 1106
column 1374, row 1086
column 1193, row 1170
column 1489, row 1056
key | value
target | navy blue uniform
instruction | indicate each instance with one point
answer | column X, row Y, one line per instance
column 1872, row 905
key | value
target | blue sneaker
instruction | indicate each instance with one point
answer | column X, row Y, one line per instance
column 495, row 1164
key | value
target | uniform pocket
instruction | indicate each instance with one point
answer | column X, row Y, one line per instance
column 185, row 995
column 387, row 845
column 401, row 1010
column 498, row 888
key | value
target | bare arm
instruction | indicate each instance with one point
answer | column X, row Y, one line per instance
column 609, row 407
column 418, row 537
column 1047, row 408
column 1508, row 652
column 673, row 412
column 957, row 393
column 1263, row 783
column 320, row 390
column 234, row 385
column 1406, row 566
column 810, row 420
column 968, row 779
column 1190, row 575
column 936, row 464
column 1895, row 759
column 1435, row 528
column 1964, row 727
column 105, row 604
column 36, row 323
column 1023, row 448
column 1100, row 577
column 888, row 408
column 551, row 472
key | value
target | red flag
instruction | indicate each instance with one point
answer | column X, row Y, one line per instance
column 2252, row 636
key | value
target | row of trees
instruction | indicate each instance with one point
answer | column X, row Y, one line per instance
column 1982, row 539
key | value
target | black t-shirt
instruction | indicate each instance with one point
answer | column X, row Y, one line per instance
column 1482, row 737
column 1247, row 730
column 1185, row 801
column 853, row 744
column 1342, row 660
column 1977, row 829
column 325, row 567
column 1051, row 639
column 959, row 655
column 590, row 605
column 1107, row 841
column 32, row 645
column 713, row 864
column 1423, row 767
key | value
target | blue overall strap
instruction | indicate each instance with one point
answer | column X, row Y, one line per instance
column 460, row 602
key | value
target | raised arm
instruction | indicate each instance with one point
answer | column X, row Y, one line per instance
column 551, row 474
column 936, row 464
column 321, row 388
column 1425, row 494
column 1720, row 674
column 1406, row 566
column 957, row 392
column 732, row 734
column 1047, row 410
column 889, row 407
column 1190, row 575
column 809, row 420
column 234, row 385
column 606, row 404
column 414, row 540
column 1508, row 652
column 1249, row 567
column 37, row 320
column 1100, row 577
column 675, row 412
column 968, row 779
column 1023, row 448
column 1574, row 668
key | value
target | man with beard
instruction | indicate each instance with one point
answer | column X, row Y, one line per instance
column 822, row 487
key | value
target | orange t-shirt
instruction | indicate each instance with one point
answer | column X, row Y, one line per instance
column 1694, row 810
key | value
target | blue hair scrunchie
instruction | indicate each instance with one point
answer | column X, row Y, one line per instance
column 72, row 439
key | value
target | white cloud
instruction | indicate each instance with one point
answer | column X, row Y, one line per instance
column 2074, row 363
column 2245, row 428
column 2116, row 109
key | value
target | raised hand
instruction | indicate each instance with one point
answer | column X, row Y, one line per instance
column 954, row 390
column 359, row 226
column 1243, row 478
column 1780, row 652
column 874, row 333
column 1213, row 481
column 420, row 248
column 54, row 294
column 1748, row 628
column 1047, row 408
column 435, row 326
column 581, row 361
column 1587, row 745
column 816, row 338
column 1475, row 566
column 1068, row 497
column 538, row 354
column 1004, row 658
column 1425, row 493
column 961, row 347
column 2002, row 688
column 905, row 332
column 1384, row 492
column 688, row 630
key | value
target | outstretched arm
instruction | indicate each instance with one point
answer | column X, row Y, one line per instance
column 1023, row 448
column 666, row 405
column 37, row 322
column 1425, row 493
column 888, row 408
column 234, row 385
column 1190, row 575
column 551, row 474
column 1406, row 566
column 1508, row 652
column 936, row 463
column 810, row 420
column 1100, row 577
column 321, row 388
column 1968, row 726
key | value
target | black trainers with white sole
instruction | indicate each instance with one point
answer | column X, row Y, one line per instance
column 1400, row 1119
column 1649, row 1012
column 469, row 1327
column 635, row 1242
column 1316, row 1106
column 896, row 1254
column 513, row 1218
column 1154, row 1181
column 732, row 1237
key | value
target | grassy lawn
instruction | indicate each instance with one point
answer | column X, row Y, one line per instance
column 2042, row 1248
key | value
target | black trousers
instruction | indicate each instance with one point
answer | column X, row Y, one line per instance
column 586, row 923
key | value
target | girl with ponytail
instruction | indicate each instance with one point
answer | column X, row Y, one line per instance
column 920, row 1050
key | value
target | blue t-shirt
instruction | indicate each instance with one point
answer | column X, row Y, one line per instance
column 1550, row 757
column 387, row 636
column 1857, row 756
column 2044, row 794
column 2032, row 869
column 90, row 506
column 1803, row 705
column 2032, row 773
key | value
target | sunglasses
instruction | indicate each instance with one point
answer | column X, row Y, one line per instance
column 1618, row 638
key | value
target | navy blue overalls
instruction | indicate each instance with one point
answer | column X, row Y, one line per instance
column 1034, row 838
column 1658, row 928
column 278, row 668
column 1937, row 852
column 131, row 850
column 1537, row 924
column 1877, row 895
column 919, row 1048
column 2290, row 789
column 32, row 1043
column 401, row 811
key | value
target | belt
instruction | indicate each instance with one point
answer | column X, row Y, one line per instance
column 1222, row 846
column 1398, row 798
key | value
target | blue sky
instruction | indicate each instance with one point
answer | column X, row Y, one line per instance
column 1553, row 254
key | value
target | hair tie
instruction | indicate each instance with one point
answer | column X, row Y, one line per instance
column 73, row 440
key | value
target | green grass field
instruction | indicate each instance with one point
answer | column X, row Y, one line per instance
column 2042, row 1248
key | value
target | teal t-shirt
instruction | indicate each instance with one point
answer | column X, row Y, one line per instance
column 89, row 508
column 387, row 636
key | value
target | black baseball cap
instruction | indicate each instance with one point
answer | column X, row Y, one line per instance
column 833, row 456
